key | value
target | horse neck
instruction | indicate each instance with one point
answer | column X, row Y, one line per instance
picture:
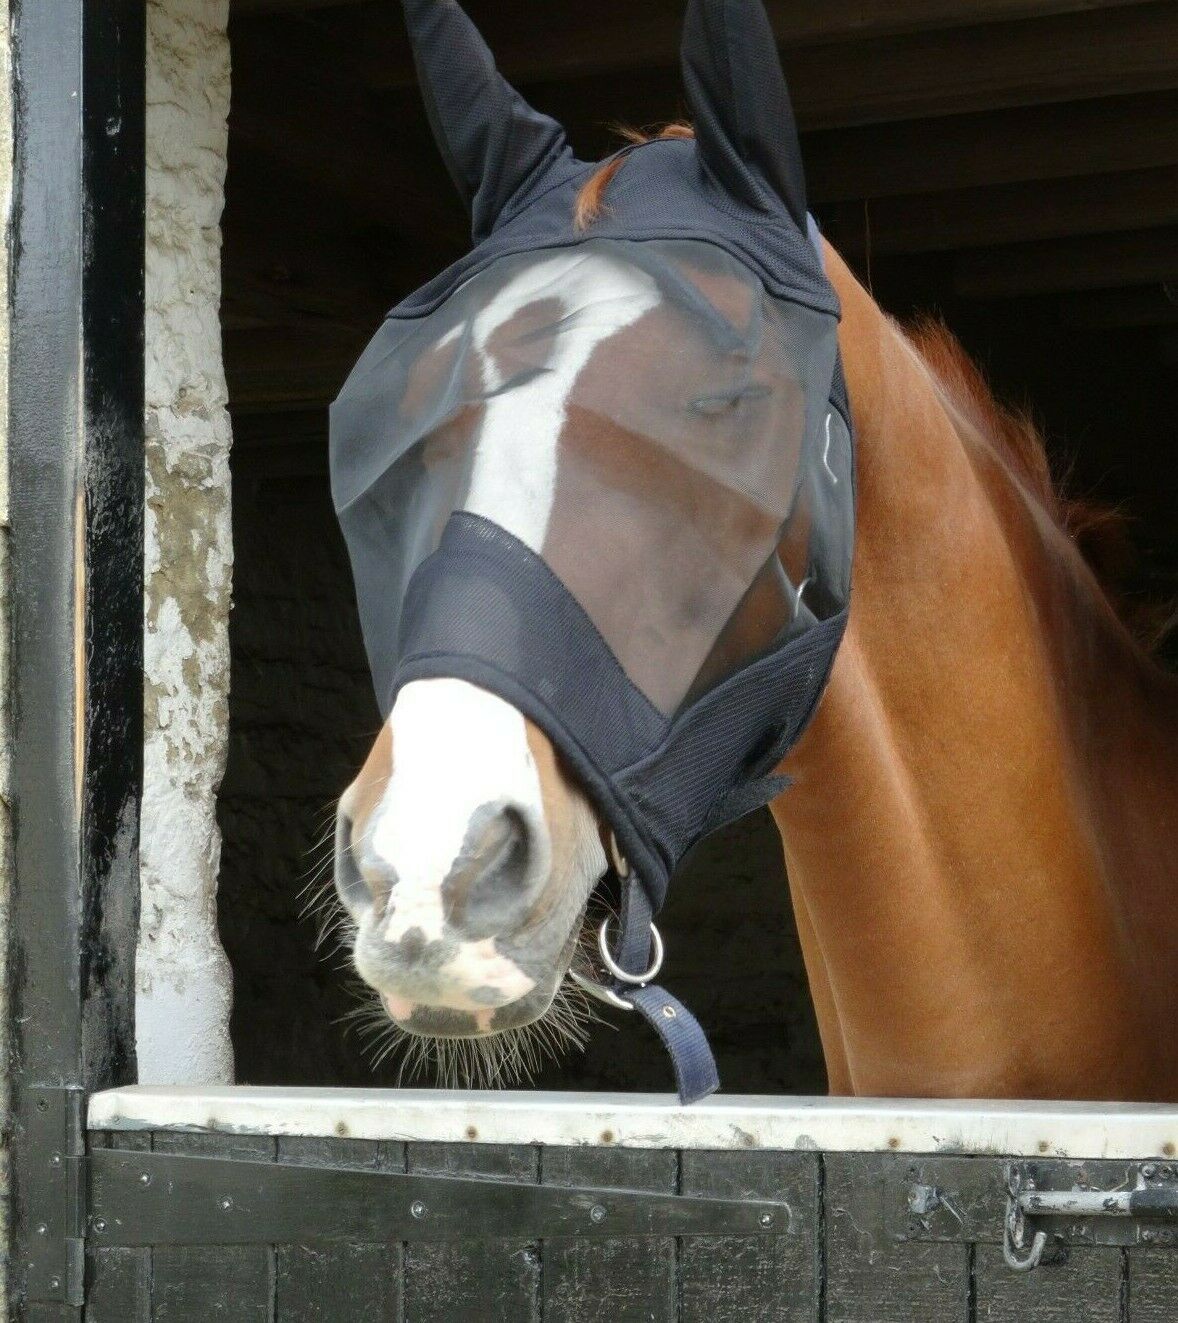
column 991, row 753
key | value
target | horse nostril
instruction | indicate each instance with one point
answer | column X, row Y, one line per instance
column 358, row 892
column 489, row 883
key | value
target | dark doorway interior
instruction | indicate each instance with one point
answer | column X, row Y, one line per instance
column 1036, row 214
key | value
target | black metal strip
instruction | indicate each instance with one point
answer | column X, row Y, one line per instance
column 75, row 437
column 168, row 1199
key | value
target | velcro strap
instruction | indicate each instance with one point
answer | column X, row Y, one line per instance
column 681, row 1034
column 695, row 1067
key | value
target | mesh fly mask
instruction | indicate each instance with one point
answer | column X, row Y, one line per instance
column 608, row 475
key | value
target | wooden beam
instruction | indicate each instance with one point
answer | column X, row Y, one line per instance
column 1104, row 262
column 359, row 163
column 1012, row 213
column 1133, row 48
column 1117, row 309
column 898, row 78
column 1068, row 58
column 652, row 27
column 1007, row 146
column 288, row 367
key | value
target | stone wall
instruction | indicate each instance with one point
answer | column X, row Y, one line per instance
column 183, row 980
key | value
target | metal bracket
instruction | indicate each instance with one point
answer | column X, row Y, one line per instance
column 52, row 1230
column 1151, row 1197
column 157, row 1198
column 1035, row 1210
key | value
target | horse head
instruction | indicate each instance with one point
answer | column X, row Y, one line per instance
column 592, row 482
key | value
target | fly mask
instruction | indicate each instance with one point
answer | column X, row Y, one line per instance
column 608, row 475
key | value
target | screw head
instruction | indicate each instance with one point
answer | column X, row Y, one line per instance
column 670, row 1013
column 42, row 1229
column 766, row 1219
column 1150, row 1170
column 55, row 1283
column 100, row 1225
column 145, row 1178
column 418, row 1209
column 225, row 1204
column 42, row 1105
column 55, row 1160
column 597, row 1213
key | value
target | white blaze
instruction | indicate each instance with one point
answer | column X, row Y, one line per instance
column 457, row 749
column 514, row 478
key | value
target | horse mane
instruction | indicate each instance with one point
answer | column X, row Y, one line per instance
column 1100, row 531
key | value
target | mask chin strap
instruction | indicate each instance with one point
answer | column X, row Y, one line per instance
column 634, row 963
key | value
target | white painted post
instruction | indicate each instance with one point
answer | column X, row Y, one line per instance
column 184, row 990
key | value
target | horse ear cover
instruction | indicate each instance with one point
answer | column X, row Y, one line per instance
column 740, row 105
column 496, row 147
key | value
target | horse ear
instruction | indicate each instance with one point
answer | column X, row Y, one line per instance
column 492, row 141
column 736, row 90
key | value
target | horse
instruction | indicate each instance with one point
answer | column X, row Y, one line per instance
column 980, row 822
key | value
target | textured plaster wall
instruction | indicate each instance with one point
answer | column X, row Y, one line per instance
column 183, row 980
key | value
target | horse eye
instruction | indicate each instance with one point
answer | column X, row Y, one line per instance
column 723, row 401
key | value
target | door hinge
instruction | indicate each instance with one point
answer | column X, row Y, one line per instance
column 172, row 1199
column 51, row 1233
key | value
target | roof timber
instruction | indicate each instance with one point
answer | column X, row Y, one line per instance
column 1004, row 146
column 1068, row 57
column 1013, row 213
column 656, row 22
column 1116, row 309
column 1106, row 261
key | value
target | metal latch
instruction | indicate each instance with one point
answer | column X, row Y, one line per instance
column 51, row 1233
column 1152, row 1198
column 173, row 1199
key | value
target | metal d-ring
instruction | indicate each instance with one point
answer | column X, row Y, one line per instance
column 635, row 980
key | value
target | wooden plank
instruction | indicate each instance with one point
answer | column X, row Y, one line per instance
column 868, row 1274
column 1087, row 1285
column 199, row 1284
column 118, row 1281
column 535, row 42
column 1110, row 309
column 984, row 68
column 1012, row 213
column 754, row 1279
column 1100, row 262
column 1098, row 137
column 1153, row 1286
column 610, row 1281
column 339, row 1283
column 290, row 367
column 494, row 1281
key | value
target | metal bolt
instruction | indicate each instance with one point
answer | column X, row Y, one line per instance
column 1150, row 1170
column 42, row 1229
column 766, row 1219
column 597, row 1213
column 55, row 1160
column 226, row 1204
column 99, row 1225
column 670, row 1013
column 55, row 1283
column 145, row 1178
column 417, row 1208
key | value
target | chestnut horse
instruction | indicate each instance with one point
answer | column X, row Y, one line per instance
column 982, row 831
